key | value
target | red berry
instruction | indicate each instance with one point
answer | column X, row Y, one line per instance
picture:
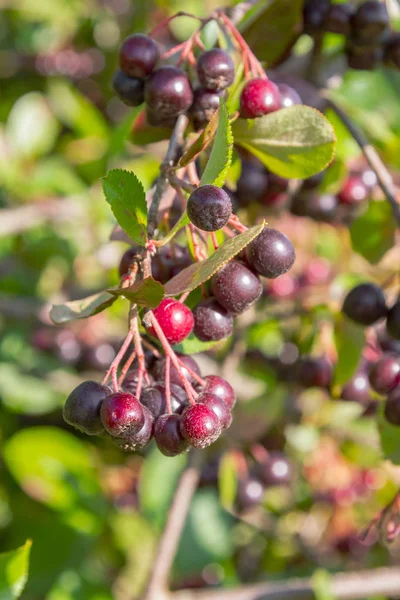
column 122, row 414
column 138, row 55
column 315, row 372
column 200, row 426
column 215, row 69
column 218, row 406
column 354, row 191
column 168, row 436
column 175, row 319
column 259, row 97
column 136, row 441
column 221, row 388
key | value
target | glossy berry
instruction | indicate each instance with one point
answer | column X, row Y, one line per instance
column 357, row 389
column 138, row 55
column 154, row 398
column 209, row 208
column 175, row 319
column 235, row 287
column 354, row 191
column 200, row 426
column 134, row 442
column 127, row 260
column 205, row 103
column 385, row 374
column 82, row 407
column 250, row 493
column 252, row 183
column 271, row 254
column 365, row 304
column 218, row 406
column 129, row 89
column 168, row 92
column 370, row 20
column 314, row 372
column 289, row 96
column 220, row 387
column 159, row 369
column 338, row 18
column 276, row 470
column 392, row 407
column 316, row 206
column 259, row 97
column 168, row 436
column 122, row 414
column 131, row 381
column 215, row 69
column 393, row 321
column 212, row 322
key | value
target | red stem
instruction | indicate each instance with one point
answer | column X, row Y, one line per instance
column 214, row 240
column 126, row 367
column 193, row 374
column 117, row 360
column 168, row 383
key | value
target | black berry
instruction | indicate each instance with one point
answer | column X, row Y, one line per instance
column 392, row 407
column 370, row 20
column 384, row 376
column 200, row 426
column 220, row 387
column 168, row 92
column 205, row 103
column 122, row 414
column 212, row 322
column 314, row 372
column 129, row 89
column 175, row 319
column 154, row 398
column 271, row 254
column 252, row 183
column 218, row 406
column 168, row 436
column 134, row 442
column 259, row 97
column 215, row 69
column 314, row 15
column 236, row 287
column 365, row 304
column 138, row 55
column 289, row 96
column 82, row 407
column 209, row 208
column 131, row 381
column 393, row 321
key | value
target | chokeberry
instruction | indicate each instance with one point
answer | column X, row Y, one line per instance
column 357, row 389
column 175, row 319
column 168, row 436
column 136, row 441
column 215, row 69
column 82, row 407
column 205, row 103
column 365, row 304
column 316, row 206
column 276, row 470
column 212, row 322
column 393, row 321
column 338, row 18
column 392, row 407
column 122, row 414
column 252, row 183
column 384, row 376
column 131, row 381
column 129, row 89
column 159, row 369
column 370, row 20
column 259, row 97
column 289, row 96
column 236, row 287
column 200, row 426
column 170, row 261
column 271, row 254
column 354, row 190
column 218, row 406
column 154, row 398
column 220, row 387
column 250, row 493
column 209, row 208
column 314, row 14
column 138, row 55
column 314, row 372
column 168, row 92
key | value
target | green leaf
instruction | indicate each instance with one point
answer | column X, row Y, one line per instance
column 221, row 153
column 295, row 142
column 147, row 292
column 201, row 142
column 227, row 480
column 182, row 221
column 192, row 345
column 14, row 566
column 120, row 134
column 193, row 276
column 81, row 309
column 125, row 194
column 389, row 436
column 350, row 340
column 322, row 585
column 26, row 394
column 373, row 233
column 271, row 27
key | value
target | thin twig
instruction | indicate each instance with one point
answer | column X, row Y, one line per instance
column 374, row 160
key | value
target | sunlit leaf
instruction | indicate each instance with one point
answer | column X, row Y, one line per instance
column 81, row 309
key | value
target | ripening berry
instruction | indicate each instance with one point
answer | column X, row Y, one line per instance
column 259, row 97
column 175, row 319
column 137, row 441
column 200, row 426
column 384, row 375
column 218, row 406
column 122, row 414
column 220, row 387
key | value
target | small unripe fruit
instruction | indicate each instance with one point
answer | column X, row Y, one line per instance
column 271, row 254
column 215, row 69
column 209, row 208
column 200, row 426
column 82, row 407
column 175, row 319
column 168, row 436
column 138, row 55
column 122, row 414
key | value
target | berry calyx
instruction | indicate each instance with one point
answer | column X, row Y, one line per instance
column 212, row 322
column 175, row 319
column 215, row 69
column 122, row 414
column 137, row 441
column 236, row 287
column 168, row 92
column 209, row 208
column 385, row 374
column 259, row 97
column 200, row 426
column 365, row 304
column 168, row 436
column 315, row 372
column 271, row 254
column 393, row 321
column 219, row 408
column 82, row 407
column 138, row 55
column 354, row 190
column 220, row 387
column 129, row 89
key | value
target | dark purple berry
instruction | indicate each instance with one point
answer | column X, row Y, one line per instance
column 168, row 436
column 218, row 406
column 136, row 441
column 221, row 388
column 338, row 18
column 252, row 183
column 250, row 493
column 365, row 304
column 209, row 208
column 175, row 319
column 289, row 96
column 127, row 260
column 259, row 97
column 200, row 426
column 387, row 343
column 354, row 191
column 99, row 356
column 205, row 103
column 212, row 322
column 236, row 287
column 357, row 389
column 370, row 20
column 129, row 89
column 170, row 261
column 131, row 381
column 138, row 55
column 159, row 369
column 154, row 398
column 271, row 254
column 314, row 372
column 393, row 321
column 314, row 15
column 392, row 407
column 82, row 407
column 276, row 470
column 316, row 206
column 215, row 69
column 122, row 414
column 384, row 376
column 168, row 92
